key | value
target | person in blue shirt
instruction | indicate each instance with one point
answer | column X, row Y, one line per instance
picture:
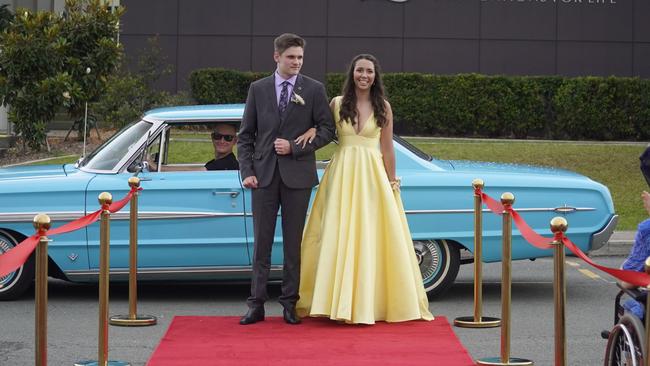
column 636, row 259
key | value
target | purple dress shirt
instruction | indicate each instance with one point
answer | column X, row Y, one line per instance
column 278, row 86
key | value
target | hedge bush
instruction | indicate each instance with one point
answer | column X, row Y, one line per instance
column 474, row 105
column 219, row 86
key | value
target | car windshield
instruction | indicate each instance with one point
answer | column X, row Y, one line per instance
column 412, row 148
column 109, row 154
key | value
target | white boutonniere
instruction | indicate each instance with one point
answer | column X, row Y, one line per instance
column 296, row 98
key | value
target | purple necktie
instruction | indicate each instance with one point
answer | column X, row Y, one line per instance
column 284, row 98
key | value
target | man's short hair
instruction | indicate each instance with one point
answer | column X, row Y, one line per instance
column 287, row 40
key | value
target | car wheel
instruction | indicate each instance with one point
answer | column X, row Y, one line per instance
column 439, row 261
column 15, row 283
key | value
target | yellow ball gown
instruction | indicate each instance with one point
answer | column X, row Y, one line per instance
column 357, row 263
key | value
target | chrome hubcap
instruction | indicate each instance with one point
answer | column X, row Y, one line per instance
column 429, row 258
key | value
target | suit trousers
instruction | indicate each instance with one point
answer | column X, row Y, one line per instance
column 294, row 204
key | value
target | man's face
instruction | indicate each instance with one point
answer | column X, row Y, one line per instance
column 289, row 62
column 220, row 136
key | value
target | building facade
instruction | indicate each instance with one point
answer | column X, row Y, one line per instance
column 511, row 37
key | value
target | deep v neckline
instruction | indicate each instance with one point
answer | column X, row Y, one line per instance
column 364, row 124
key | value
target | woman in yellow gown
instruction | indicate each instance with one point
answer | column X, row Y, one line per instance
column 358, row 264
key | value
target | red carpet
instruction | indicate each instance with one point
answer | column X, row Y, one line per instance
column 203, row 340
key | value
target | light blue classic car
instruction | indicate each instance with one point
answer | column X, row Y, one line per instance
column 197, row 225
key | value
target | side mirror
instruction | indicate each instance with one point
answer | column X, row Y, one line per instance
column 77, row 164
column 135, row 167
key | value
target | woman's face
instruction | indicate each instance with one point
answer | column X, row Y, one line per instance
column 364, row 74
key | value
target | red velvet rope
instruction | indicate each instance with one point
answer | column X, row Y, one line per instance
column 18, row 255
column 528, row 233
column 495, row 206
column 635, row 278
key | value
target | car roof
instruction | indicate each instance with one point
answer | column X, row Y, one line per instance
column 197, row 112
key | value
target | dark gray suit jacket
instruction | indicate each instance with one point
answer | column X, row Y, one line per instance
column 262, row 124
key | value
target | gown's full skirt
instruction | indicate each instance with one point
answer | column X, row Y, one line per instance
column 358, row 264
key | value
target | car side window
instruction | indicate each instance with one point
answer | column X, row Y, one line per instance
column 191, row 147
column 153, row 156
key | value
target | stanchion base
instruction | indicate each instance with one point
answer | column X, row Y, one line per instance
column 127, row 321
column 485, row 322
column 512, row 361
column 108, row 363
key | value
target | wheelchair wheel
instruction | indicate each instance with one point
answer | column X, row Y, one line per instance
column 626, row 343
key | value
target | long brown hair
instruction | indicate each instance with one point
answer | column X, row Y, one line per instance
column 348, row 111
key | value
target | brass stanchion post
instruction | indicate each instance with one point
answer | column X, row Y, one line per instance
column 133, row 319
column 105, row 199
column 507, row 199
column 41, row 224
column 478, row 320
column 559, row 225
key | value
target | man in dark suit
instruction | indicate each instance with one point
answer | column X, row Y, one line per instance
column 280, row 172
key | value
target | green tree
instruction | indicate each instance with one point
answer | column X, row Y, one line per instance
column 32, row 80
column 131, row 92
column 44, row 58
column 93, row 54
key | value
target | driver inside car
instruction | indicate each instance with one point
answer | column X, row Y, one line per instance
column 224, row 139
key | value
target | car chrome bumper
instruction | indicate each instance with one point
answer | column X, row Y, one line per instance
column 601, row 237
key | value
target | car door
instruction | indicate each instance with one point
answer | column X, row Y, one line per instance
column 188, row 219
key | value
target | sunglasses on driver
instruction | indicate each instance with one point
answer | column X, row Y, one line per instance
column 217, row 136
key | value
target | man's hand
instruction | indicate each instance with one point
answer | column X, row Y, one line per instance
column 306, row 138
column 250, row 182
column 282, row 146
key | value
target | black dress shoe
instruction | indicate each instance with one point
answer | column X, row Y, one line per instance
column 290, row 316
column 252, row 316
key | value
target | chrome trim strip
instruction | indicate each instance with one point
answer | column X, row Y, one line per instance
column 220, row 269
column 469, row 210
column 178, row 273
column 169, row 215
column 122, row 215
column 161, row 215
column 29, row 216
column 163, row 147
column 196, row 119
